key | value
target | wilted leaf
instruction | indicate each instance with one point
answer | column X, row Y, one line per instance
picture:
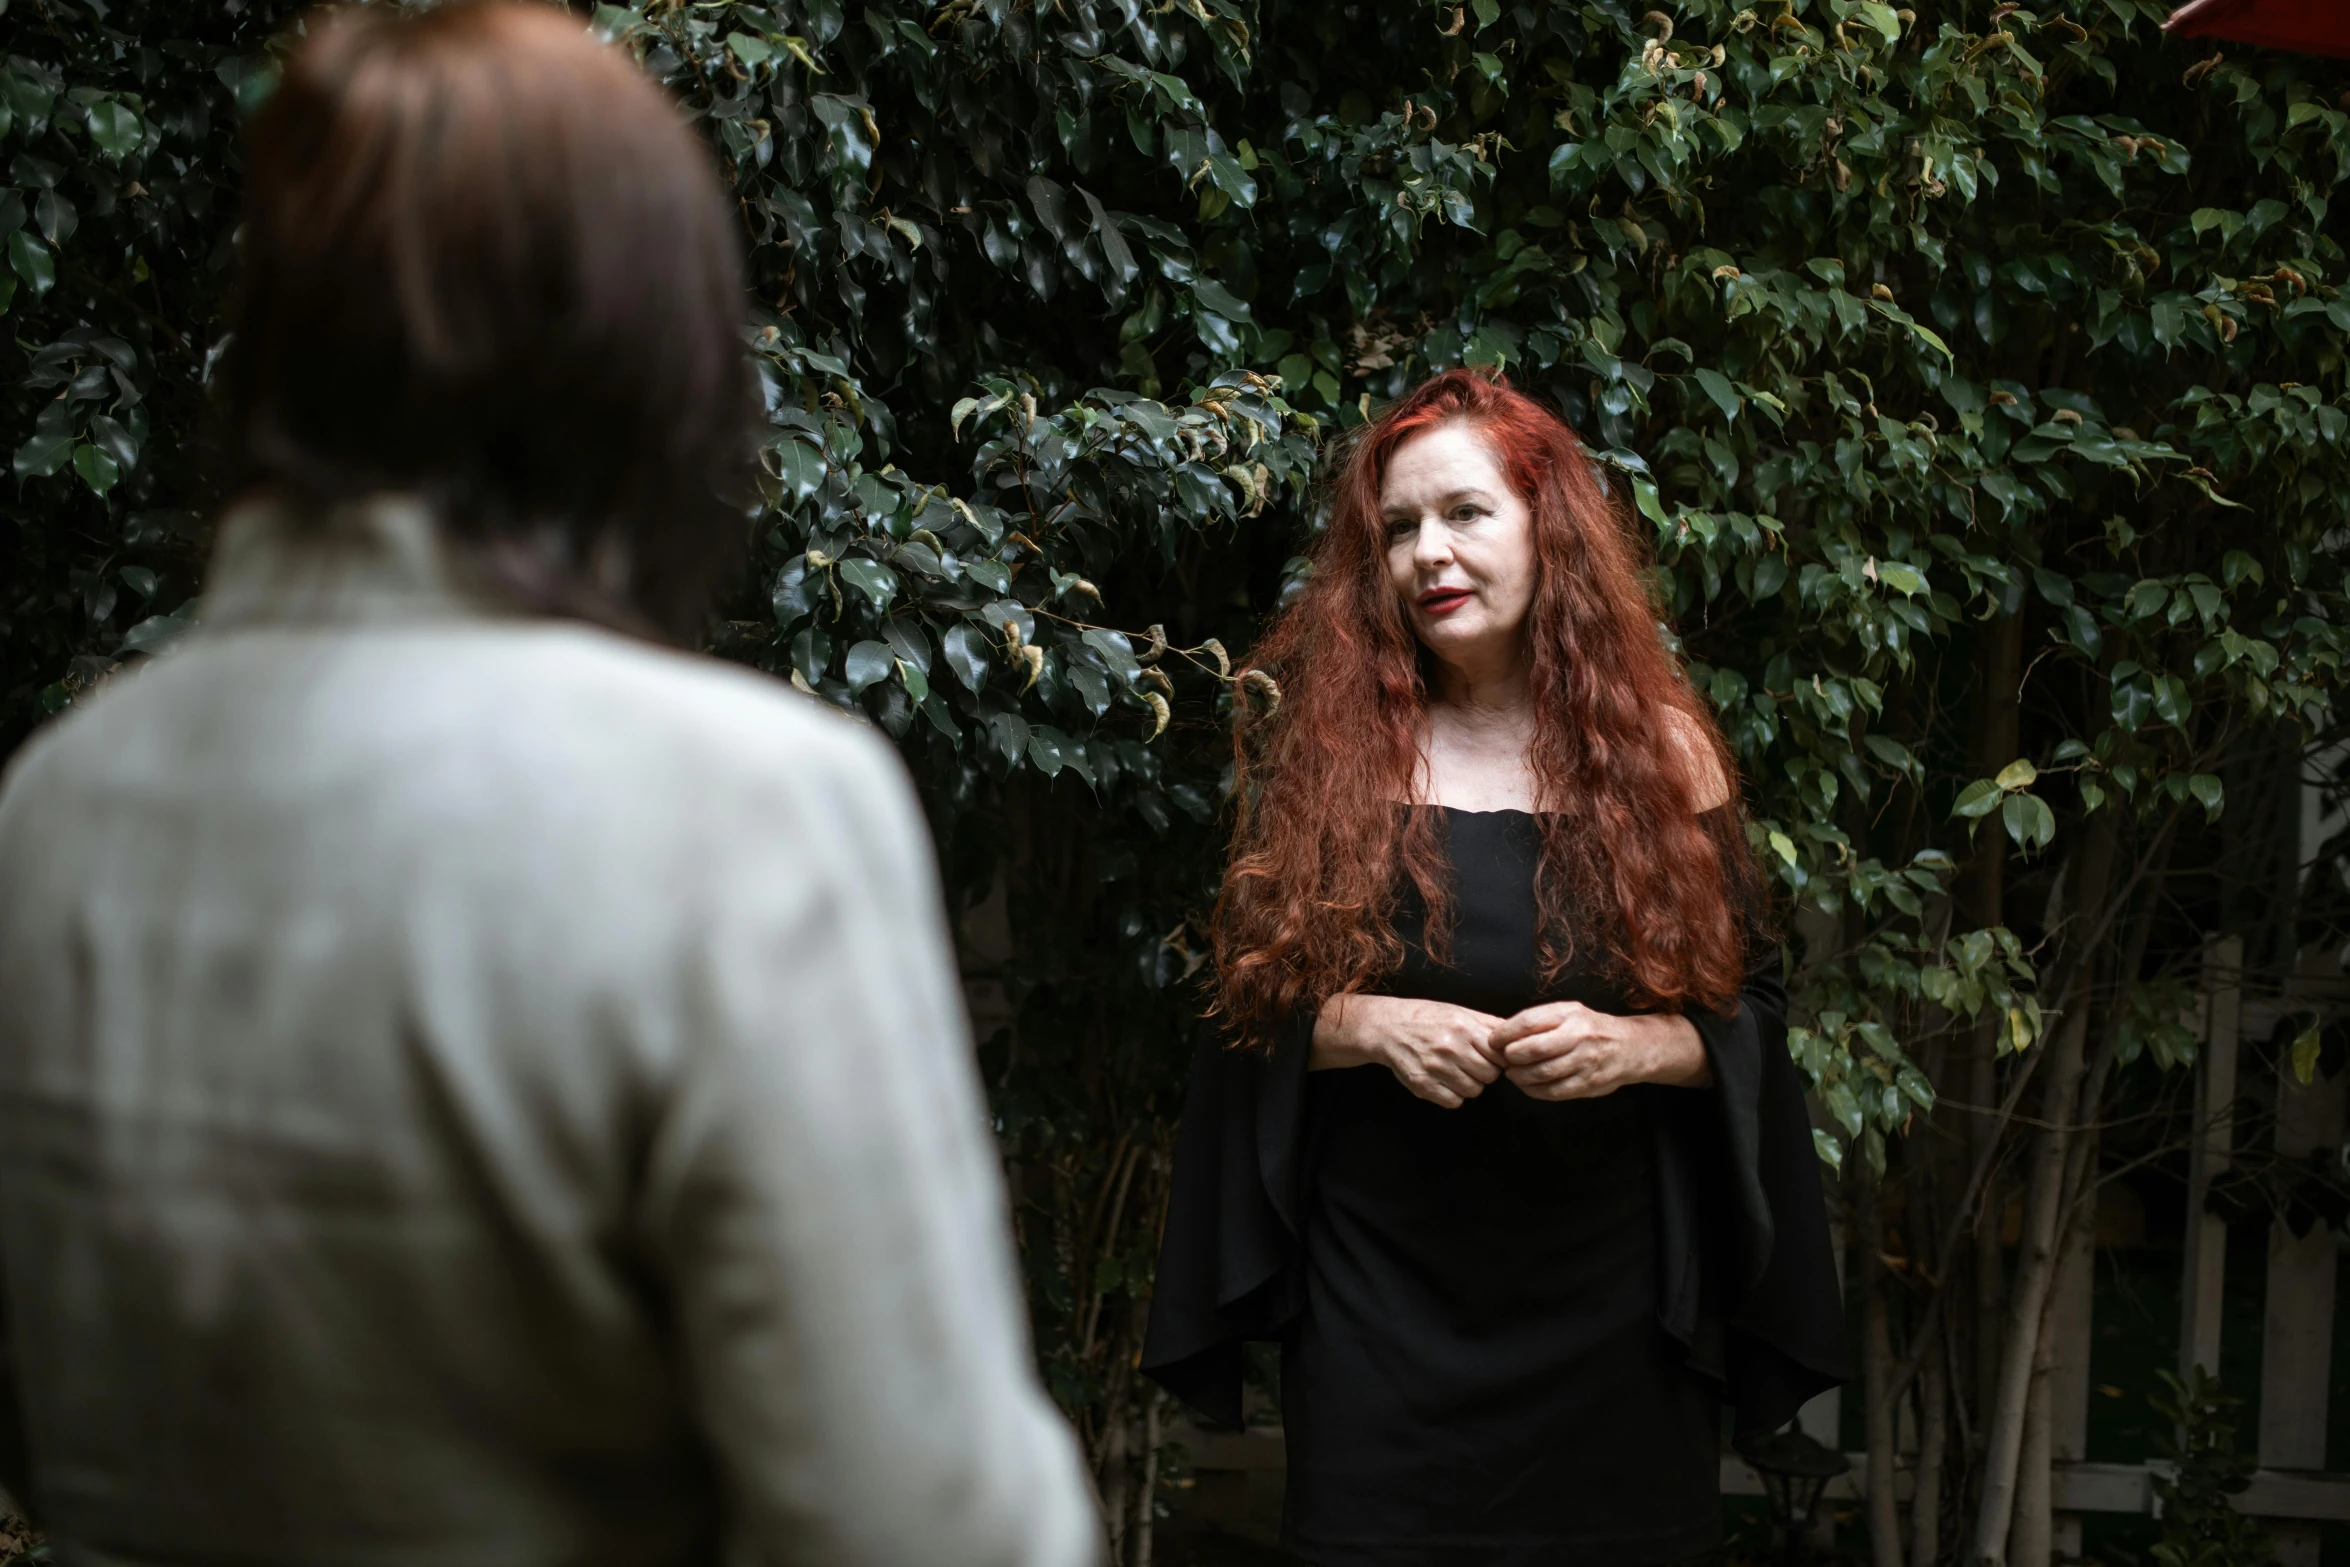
column 2306, row 1047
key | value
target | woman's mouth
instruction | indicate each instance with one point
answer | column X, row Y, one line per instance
column 1443, row 601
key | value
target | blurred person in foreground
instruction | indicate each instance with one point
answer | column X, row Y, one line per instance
column 477, row 1086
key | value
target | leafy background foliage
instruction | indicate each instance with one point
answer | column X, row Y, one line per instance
column 1978, row 371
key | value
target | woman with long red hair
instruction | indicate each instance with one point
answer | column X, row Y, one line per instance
column 1501, row 1141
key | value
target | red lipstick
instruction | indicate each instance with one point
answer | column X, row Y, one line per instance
column 1443, row 601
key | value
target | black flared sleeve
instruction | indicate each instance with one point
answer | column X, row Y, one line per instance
column 1749, row 1279
column 1228, row 1262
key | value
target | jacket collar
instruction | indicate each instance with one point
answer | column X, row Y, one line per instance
column 377, row 561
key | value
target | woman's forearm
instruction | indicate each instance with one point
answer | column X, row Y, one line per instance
column 1680, row 1059
column 1340, row 1040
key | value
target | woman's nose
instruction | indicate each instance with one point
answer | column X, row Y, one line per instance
column 1432, row 545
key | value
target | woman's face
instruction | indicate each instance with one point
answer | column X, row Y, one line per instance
column 1460, row 546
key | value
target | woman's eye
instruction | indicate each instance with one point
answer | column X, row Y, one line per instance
column 1400, row 526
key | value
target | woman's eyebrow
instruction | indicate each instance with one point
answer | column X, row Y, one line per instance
column 1449, row 498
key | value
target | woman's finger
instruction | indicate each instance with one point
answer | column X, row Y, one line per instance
column 1538, row 1047
column 1563, row 1069
column 1423, row 1084
column 1573, row 1075
column 1477, row 1066
column 1588, row 1085
column 1533, row 1020
column 1434, row 1073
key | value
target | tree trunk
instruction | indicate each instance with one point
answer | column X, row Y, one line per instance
column 1981, row 899
column 1877, row 1374
column 1113, row 1479
column 1140, row 1536
column 1987, row 1265
column 1925, row 1508
column 2044, row 1209
column 2033, row 1539
column 1927, row 1158
column 2019, row 1338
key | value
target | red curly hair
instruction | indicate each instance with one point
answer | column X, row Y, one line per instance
column 1620, row 752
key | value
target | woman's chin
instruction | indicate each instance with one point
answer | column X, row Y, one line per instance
column 1457, row 641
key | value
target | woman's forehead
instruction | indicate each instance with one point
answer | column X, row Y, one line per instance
column 1443, row 460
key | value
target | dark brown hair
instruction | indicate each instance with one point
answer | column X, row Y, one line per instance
column 485, row 261
column 1621, row 744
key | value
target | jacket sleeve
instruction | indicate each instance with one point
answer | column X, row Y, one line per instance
column 1763, row 1308
column 829, row 1216
column 1228, row 1261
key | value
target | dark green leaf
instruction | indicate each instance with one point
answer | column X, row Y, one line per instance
column 1979, row 798
column 98, row 470
column 868, row 664
column 43, row 455
column 1717, row 387
column 115, row 128
column 1219, row 299
column 31, row 261
column 876, row 581
column 2028, row 820
column 966, row 654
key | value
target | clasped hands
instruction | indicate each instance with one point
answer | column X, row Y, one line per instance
column 1558, row 1050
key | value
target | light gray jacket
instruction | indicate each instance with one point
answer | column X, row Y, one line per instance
column 483, row 1090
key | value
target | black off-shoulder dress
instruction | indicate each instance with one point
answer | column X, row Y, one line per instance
column 1507, row 1330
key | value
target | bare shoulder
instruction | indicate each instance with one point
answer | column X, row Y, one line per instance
column 1694, row 750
